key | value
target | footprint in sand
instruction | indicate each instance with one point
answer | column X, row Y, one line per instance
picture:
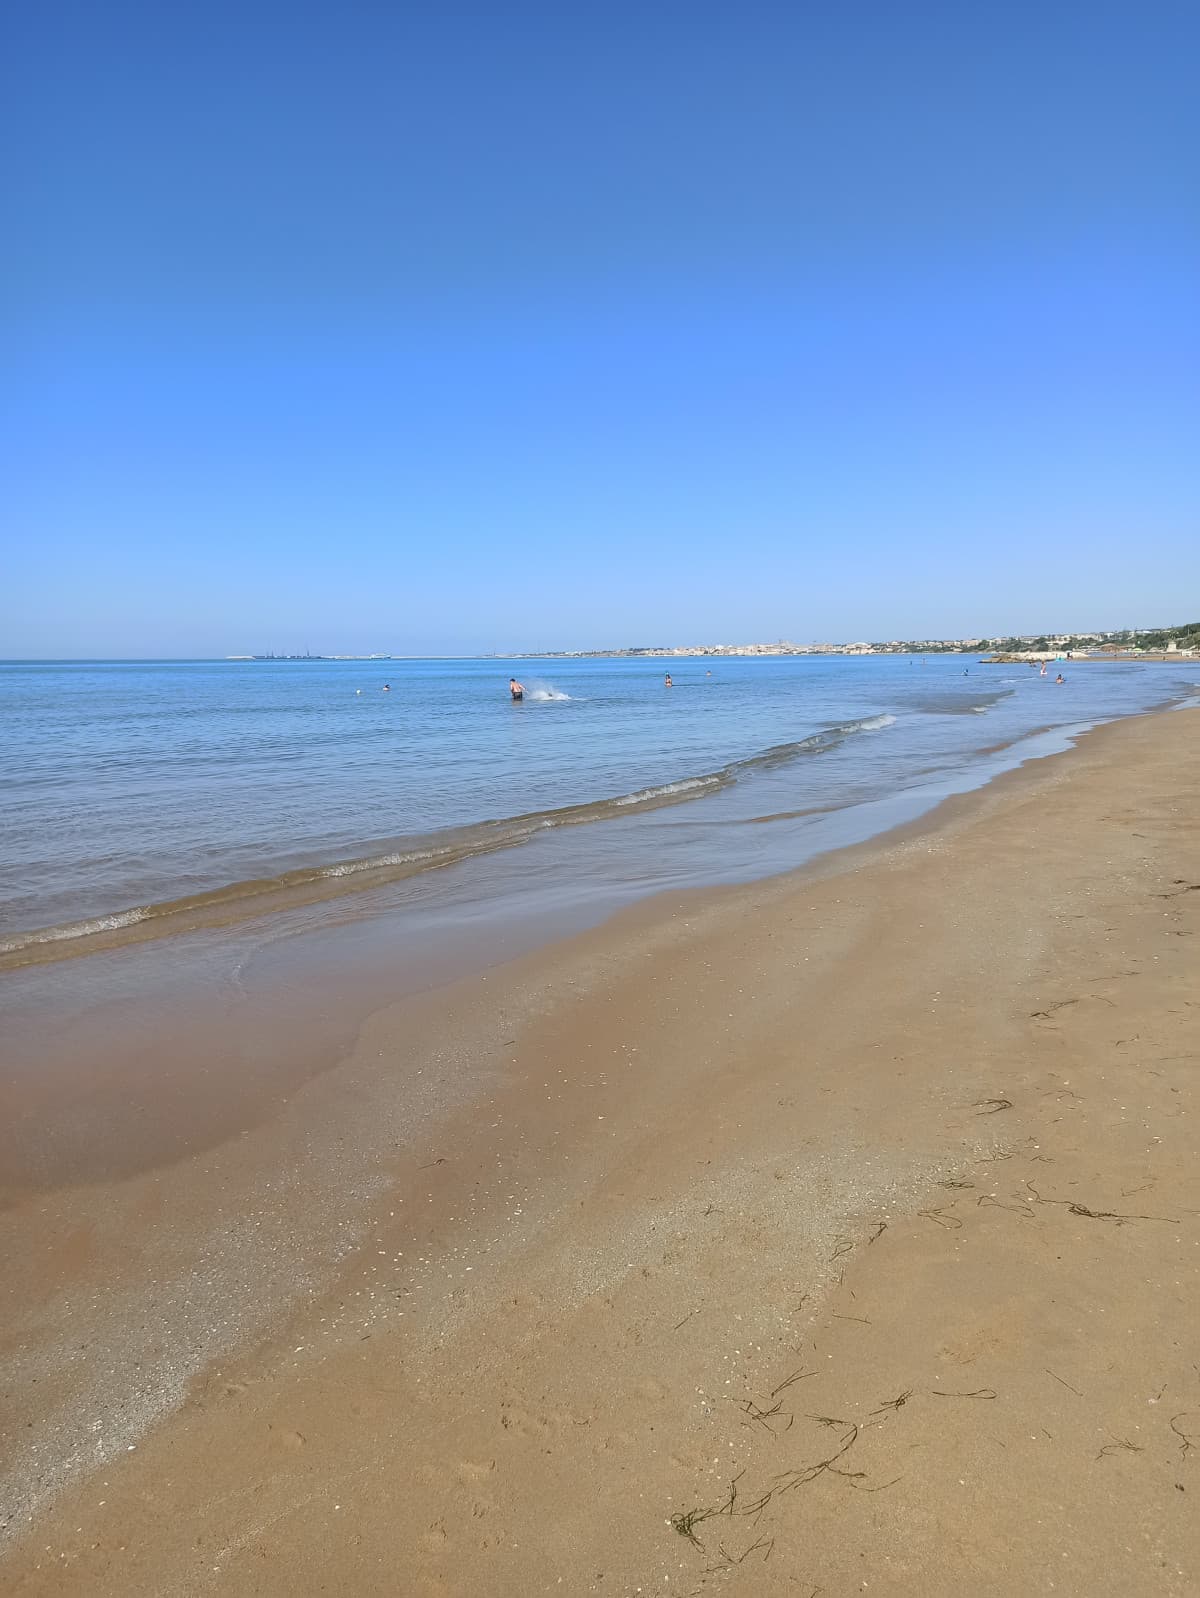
column 652, row 1391
column 436, row 1538
column 616, row 1440
column 521, row 1421
column 515, row 1419
column 433, row 1476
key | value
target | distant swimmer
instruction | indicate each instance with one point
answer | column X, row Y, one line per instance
column 1041, row 673
column 387, row 687
column 1060, row 678
column 667, row 683
column 516, row 689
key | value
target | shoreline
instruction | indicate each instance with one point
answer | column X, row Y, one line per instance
column 558, row 1201
column 298, row 883
column 92, row 1066
column 390, row 861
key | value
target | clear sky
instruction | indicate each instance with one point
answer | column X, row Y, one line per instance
column 445, row 327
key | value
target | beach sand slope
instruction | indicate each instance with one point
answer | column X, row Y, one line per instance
column 831, row 1235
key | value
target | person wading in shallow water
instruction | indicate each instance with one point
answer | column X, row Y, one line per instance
column 667, row 683
column 515, row 688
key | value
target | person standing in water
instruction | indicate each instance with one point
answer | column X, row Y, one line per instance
column 516, row 689
column 667, row 683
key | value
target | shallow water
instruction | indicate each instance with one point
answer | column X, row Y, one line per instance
column 131, row 785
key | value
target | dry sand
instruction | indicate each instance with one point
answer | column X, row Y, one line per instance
column 836, row 1234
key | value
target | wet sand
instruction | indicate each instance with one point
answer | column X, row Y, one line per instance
column 836, row 1233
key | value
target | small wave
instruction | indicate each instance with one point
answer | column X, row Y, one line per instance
column 547, row 693
column 960, row 705
column 668, row 790
column 408, row 857
column 74, row 929
column 815, row 743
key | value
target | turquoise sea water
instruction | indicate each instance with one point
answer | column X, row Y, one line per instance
column 127, row 786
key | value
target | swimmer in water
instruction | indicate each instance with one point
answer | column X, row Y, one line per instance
column 516, row 689
column 1060, row 678
column 387, row 687
column 667, row 683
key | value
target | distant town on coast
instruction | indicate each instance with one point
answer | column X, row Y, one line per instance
column 1129, row 642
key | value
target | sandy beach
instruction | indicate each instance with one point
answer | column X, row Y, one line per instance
column 838, row 1233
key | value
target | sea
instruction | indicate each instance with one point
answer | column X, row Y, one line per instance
column 137, row 794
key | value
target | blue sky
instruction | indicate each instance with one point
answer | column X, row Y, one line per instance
column 455, row 328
